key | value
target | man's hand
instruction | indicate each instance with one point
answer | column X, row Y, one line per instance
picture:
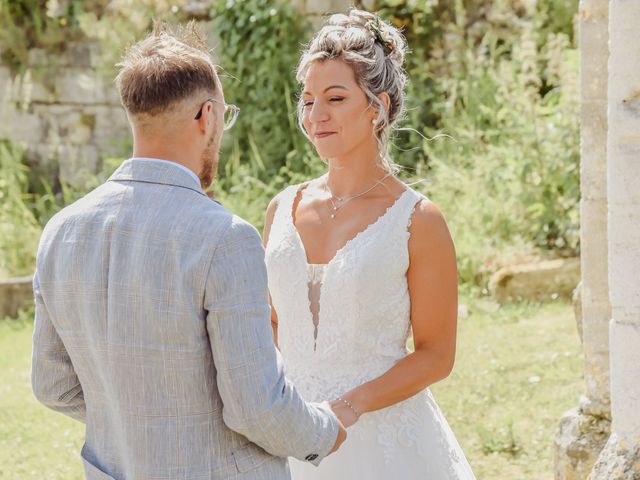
column 342, row 436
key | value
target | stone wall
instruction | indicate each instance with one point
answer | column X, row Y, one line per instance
column 67, row 114
column 64, row 112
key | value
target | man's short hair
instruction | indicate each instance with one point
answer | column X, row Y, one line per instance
column 164, row 68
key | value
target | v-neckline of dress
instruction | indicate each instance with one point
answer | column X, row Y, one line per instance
column 359, row 234
column 326, row 266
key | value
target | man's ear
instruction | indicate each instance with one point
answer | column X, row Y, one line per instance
column 206, row 117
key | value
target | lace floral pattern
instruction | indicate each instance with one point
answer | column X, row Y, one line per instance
column 364, row 324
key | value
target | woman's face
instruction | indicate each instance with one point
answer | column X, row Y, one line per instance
column 336, row 113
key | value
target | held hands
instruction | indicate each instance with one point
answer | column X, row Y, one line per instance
column 342, row 436
column 345, row 411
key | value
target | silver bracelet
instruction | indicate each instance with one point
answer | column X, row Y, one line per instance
column 348, row 403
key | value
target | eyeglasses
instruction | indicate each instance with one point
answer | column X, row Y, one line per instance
column 230, row 113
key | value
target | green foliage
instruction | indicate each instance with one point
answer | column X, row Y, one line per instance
column 27, row 203
column 19, row 228
column 502, row 83
column 116, row 24
column 498, row 77
column 44, row 24
column 259, row 46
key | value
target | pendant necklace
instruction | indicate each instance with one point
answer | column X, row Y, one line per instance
column 342, row 201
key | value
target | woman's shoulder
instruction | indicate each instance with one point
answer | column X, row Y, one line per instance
column 428, row 223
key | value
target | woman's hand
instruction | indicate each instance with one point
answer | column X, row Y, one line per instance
column 345, row 414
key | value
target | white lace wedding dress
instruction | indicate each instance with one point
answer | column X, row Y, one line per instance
column 362, row 305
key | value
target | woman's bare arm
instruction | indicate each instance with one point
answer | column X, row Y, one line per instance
column 433, row 289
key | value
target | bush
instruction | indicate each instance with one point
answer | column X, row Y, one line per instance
column 500, row 78
column 502, row 83
column 19, row 228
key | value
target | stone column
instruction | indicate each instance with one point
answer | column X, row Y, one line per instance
column 620, row 458
column 584, row 430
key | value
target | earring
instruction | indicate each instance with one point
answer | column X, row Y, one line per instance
column 374, row 121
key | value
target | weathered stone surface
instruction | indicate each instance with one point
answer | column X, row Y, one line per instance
column 324, row 7
column 111, row 130
column 579, row 440
column 619, row 460
column 21, row 126
column 78, row 85
column 15, row 294
column 77, row 163
column 625, row 379
column 536, row 281
column 576, row 300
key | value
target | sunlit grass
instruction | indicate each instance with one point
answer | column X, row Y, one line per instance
column 35, row 443
column 519, row 367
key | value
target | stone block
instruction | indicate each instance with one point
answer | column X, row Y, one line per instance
column 596, row 318
column 593, row 249
column 64, row 124
column 77, row 163
column 536, row 281
column 576, row 302
column 326, row 7
column 578, row 443
column 594, row 54
column 594, row 10
column 597, row 380
column 623, row 172
column 80, row 86
column 15, row 294
column 112, row 129
column 625, row 381
column 21, row 126
column 593, row 150
column 619, row 460
column 624, row 255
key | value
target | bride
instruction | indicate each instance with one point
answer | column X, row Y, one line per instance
column 357, row 261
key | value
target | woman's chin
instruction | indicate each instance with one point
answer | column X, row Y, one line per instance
column 327, row 153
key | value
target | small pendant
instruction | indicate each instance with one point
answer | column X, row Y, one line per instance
column 335, row 209
column 333, row 215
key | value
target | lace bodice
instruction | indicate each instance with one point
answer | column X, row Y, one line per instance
column 363, row 323
column 364, row 308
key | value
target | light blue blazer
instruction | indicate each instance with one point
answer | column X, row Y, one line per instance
column 153, row 327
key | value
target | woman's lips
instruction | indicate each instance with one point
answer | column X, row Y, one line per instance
column 323, row 134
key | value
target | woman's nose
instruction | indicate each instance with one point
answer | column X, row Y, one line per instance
column 317, row 113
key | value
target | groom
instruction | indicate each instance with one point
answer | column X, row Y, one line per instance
column 152, row 319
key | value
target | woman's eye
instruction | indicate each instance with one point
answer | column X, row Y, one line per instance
column 307, row 104
column 336, row 99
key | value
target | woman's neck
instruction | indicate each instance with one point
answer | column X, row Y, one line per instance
column 353, row 174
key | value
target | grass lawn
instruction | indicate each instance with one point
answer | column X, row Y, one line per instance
column 519, row 367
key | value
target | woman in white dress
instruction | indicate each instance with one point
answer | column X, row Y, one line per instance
column 357, row 261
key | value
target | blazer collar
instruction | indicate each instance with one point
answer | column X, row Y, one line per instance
column 151, row 172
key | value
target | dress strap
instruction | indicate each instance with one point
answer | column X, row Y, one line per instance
column 410, row 202
column 283, row 211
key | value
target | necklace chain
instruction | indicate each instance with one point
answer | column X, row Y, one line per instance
column 342, row 201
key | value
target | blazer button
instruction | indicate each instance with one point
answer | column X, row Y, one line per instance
column 311, row 458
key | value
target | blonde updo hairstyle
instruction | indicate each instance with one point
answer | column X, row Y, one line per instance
column 375, row 50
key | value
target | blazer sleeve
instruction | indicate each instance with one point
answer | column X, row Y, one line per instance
column 258, row 401
column 53, row 379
